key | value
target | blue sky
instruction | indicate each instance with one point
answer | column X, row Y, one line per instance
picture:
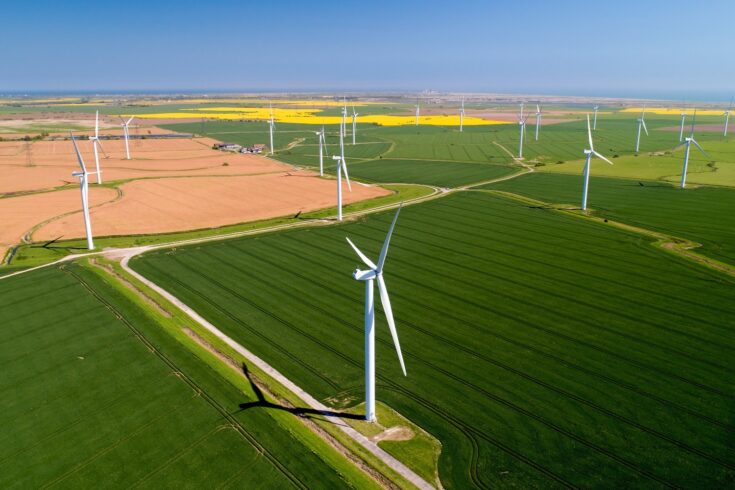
column 618, row 48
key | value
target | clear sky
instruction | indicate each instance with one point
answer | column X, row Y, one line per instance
column 618, row 48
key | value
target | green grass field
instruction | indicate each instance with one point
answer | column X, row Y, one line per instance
column 704, row 215
column 542, row 349
column 96, row 394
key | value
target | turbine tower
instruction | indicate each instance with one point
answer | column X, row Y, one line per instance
column 727, row 116
column 344, row 115
column 375, row 272
column 126, row 133
column 341, row 166
column 322, row 148
column 538, row 119
column 461, row 116
column 641, row 124
column 589, row 152
column 95, row 144
column 687, row 146
column 594, row 121
column 84, row 188
column 271, row 127
column 522, row 127
column 354, row 124
column 417, row 112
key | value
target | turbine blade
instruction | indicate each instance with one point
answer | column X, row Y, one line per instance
column 589, row 133
column 130, row 120
column 700, row 148
column 643, row 122
column 347, row 175
column 601, row 157
column 79, row 155
column 97, row 124
column 364, row 257
column 384, row 250
column 388, row 309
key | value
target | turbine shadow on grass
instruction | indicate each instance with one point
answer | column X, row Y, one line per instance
column 299, row 411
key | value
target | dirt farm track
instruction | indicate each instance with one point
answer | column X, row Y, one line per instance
column 168, row 185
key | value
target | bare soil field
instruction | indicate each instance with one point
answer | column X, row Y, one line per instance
column 178, row 204
column 19, row 214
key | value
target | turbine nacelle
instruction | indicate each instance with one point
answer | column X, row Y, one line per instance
column 364, row 275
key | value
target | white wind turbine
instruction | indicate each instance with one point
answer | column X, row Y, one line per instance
column 594, row 121
column 538, row 119
column 126, row 133
column 522, row 127
column 727, row 116
column 344, row 115
column 322, row 147
column 354, row 124
column 589, row 152
column 271, row 127
column 341, row 166
column 641, row 124
column 84, row 187
column 95, row 143
column 369, row 276
column 461, row 116
column 687, row 146
column 418, row 111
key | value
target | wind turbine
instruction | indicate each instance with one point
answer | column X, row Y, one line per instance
column 354, row 124
column 589, row 152
column 687, row 144
column 594, row 121
column 522, row 126
column 341, row 165
column 461, row 116
column 417, row 112
column 84, row 187
column 126, row 133
column 344, row 115
column 271, row 126
column 322, row 148
column 641, row 124
column 727, row 116
column 369, row 276
column 538, row 119
column 95, row 143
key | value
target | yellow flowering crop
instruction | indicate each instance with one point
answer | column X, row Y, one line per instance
column 674, row 111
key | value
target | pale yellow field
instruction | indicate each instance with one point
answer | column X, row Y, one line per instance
column 675, row 111
column 312, row 116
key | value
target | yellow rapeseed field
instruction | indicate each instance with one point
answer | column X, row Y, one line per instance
column 675, row 111
column 312, row 116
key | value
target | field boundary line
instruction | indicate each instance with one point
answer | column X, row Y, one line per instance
column 680, row 247
column 372, row 447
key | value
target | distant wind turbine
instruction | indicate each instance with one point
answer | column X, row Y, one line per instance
column 271, row 127
column 594, row 121
column 95, row 144
column 522, row 127
column 354, row 124
column 417, row 112
column 375, row 272
column 322, row 147
column 589, row 152
column 538, row 119
column 461, row 116
column 341, row 166
column 727, row 116
column 84, row 188
column 126, row 133
column 344, row 115
column 687, row 146
column 641, row 124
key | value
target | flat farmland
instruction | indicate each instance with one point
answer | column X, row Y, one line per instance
column 542, row 349
column 439, row 173
column 701, row 214
column 96, row 393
